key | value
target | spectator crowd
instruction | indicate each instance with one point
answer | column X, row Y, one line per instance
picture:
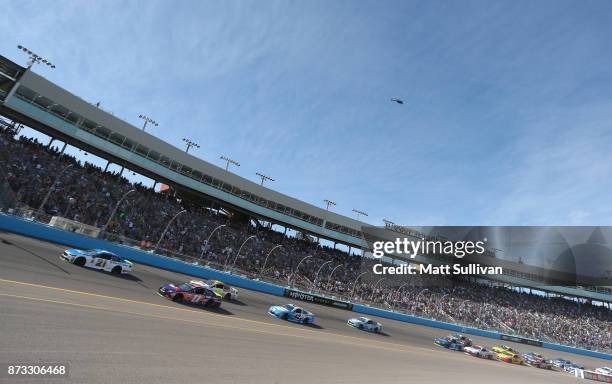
column 87, row 194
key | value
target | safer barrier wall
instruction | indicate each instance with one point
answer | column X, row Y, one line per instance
column 56, row 235
column 422, row 321
column 30, row 228
column 580, row 351
column 468, row 330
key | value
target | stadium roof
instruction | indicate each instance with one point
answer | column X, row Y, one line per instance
column 86, row 125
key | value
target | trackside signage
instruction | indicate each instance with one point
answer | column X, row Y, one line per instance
column 521, row 340
column 317, row 299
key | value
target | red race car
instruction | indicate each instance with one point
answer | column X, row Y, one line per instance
column 193, row 292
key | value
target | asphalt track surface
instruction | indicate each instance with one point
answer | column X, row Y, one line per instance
column 116, row 329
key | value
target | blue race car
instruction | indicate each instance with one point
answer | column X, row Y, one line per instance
column 450, row 343
column 462, row 339
column 291, row 312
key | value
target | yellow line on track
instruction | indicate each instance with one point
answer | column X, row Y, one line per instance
column 196, row 322
column 351, row 339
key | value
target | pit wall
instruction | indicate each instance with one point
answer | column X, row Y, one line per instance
column 33, row 229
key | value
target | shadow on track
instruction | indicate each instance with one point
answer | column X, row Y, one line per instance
column 123, row 276
column 128, row 277
column 384, row 334
column 237, row 302
column 4, row 241
column 314, row 326
column 220, row 310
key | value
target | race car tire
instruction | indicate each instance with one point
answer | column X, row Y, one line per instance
column 177, row 298
column 227, row 297
column 117, row 270
column 80, row 261
column 285, row 316
column 360, row 326
column 305, row 321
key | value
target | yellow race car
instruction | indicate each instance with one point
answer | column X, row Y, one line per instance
column 509, row 357
column 504, row 349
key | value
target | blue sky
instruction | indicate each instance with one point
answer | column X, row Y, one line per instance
column 508, row 105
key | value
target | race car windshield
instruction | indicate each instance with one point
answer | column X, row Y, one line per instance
column 185, row 287
column 289, row 307
column 363, row 319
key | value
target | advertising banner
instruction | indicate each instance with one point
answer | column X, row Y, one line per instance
column 316, row 299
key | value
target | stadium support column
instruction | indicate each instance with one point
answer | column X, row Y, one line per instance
column 50, row 142
column 64, row 148
column 349, row 252
column 107, row 164
column 121, row 172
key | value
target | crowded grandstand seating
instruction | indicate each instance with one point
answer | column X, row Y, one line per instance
column 87, row 194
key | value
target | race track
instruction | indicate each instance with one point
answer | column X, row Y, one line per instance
column 116, row 329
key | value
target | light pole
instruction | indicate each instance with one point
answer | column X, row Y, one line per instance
column 240, row 249
column 166, row 229
column 332, row 272
column 328, row 203
column 115, row 209
column 44, row 202
column 71, row 202
column 374, row 287
column 147, row 119
column 228, row 162
column 190, row 144
column 264, row 177
column 416, row 299
column 314, row 282
column 297, row 268
column 209, row 237
column 34, row 58
column 440, row 309
column 355, row 284
column 359, row 213
column 398, row 291
column 266, row 260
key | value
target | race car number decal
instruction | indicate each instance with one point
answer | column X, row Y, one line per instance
column 196, row 298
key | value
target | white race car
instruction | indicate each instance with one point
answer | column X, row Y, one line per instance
column 98, row 259
column 365, row 324
column 478, row 351
column 227, row 292
column 604, row 371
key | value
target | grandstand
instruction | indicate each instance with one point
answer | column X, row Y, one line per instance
column 85, row 196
